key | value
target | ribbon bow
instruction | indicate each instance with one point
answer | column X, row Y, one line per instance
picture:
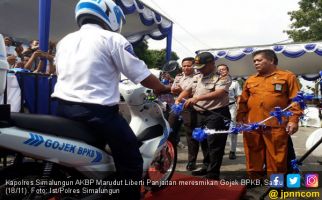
column 301, row 98
column 278, row 113
column 177, row 108
column 165, row 81
column 199, row 134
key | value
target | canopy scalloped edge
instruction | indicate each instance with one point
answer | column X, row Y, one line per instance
column 288, row 50
column 148, row 17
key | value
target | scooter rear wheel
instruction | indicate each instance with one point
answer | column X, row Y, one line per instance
column 162, row 168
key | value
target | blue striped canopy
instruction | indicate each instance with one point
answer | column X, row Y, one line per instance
column 300, row 58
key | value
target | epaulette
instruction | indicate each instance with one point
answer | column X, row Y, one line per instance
column 180, row 74
column 196, row 74
column 196, row 77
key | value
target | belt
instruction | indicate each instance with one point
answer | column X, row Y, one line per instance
column 88, row 105
column 214, row 110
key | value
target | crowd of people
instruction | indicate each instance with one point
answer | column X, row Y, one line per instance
column 30, row 57
column 211, row 98
column 90, row 61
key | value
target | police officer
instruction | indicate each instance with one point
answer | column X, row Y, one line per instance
column 211, row 93
column 181, row 82
column 89, row 62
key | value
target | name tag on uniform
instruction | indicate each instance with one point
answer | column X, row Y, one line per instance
column 278, row 87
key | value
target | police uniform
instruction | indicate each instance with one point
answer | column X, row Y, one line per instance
column 89, row 63
column 216, row 142
column 183, row 81
column 175, row 122
column 261, row 94
column 189, row 117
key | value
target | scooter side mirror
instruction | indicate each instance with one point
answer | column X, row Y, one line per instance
column 170, row 66
column 169, row 69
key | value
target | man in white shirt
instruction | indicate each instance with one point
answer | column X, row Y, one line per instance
column 89, row 62
column 234, row 93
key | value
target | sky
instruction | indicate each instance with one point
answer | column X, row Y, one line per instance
column 204, row 24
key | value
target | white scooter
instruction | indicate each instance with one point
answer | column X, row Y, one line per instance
column 50, row 149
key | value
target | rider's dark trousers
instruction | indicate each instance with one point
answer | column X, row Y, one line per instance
column 175, row 124
column 107, row 124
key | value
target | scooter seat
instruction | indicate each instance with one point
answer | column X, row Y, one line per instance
column 57, row 126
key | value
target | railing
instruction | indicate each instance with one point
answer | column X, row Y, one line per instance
column 35, row 92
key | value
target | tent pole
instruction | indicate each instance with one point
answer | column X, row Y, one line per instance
column 169, row 44
column 43, row 27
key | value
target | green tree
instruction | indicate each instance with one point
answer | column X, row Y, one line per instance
column 153, row 58
column 306, row 22
column 159, row 57
column 142, row 52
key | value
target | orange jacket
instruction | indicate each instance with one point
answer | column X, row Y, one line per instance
column 262, row 94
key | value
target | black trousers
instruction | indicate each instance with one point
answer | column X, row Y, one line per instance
column 189, row 117
column 108, row 125
column 216, row 142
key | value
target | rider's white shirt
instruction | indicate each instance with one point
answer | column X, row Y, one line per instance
column 89, row 63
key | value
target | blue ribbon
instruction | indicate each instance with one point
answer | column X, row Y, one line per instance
column 199, row 134
column 244, row 127
column 227, row 122
column 301, row 98
column 165, row 81
column 295, row 166
column 236, row 129
column 177, row 108
column 278, row 113
column 253, row 126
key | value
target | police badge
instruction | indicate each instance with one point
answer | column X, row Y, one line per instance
column 278, row 87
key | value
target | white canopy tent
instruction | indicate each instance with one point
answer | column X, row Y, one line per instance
column 45, row 20
column 300, row 58
column 20, row 19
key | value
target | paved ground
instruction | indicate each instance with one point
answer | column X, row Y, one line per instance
column 237, row 166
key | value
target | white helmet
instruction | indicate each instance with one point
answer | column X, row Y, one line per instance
column 105, row 12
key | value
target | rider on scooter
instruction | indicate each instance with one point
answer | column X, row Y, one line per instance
column 89, row 62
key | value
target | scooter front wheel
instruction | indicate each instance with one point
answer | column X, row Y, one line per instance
column 162, row 168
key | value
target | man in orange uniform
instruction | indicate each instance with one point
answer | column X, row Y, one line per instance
column 262, row 92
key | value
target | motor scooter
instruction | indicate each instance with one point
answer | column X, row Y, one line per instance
column 57, row 158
